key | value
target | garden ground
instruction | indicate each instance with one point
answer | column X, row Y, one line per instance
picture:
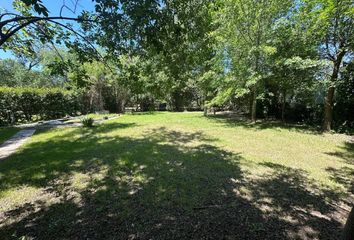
column 178, row 176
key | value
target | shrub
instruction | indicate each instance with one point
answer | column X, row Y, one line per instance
column 24, row 104
column 87, row 122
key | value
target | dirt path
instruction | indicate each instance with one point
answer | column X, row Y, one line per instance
column 16, row 141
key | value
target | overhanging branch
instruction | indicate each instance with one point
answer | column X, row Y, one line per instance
column 25, row 21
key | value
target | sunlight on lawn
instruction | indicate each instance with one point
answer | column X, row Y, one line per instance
column 154, row 174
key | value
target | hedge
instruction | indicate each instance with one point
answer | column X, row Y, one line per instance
column 28, row 104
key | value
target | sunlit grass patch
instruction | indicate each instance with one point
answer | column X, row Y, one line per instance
column 151, row 173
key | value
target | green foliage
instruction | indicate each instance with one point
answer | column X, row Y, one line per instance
column 331, row 24
column 37, row 6
column 244, row 39
column 87, row 122
column 221, row 98
column 343, row 109
column 27, row 104
column 16, row 73
column 163, row 41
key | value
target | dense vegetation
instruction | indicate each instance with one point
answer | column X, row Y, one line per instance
column 290, row 60
column 29, row 104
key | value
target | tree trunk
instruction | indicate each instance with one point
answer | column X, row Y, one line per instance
column 205, row 107
column 254, row 104
column 283, row 106
column 100, row 97
column 328, row 106
column 122, row 108
column 256, row 70
column 348, row 231
column 328, row 110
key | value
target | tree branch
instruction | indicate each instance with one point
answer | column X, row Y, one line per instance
column 85, row 39
column 30, row 20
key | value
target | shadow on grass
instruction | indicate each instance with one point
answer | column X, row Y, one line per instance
column 6, row 133
column 346, row 153
column 290, row 195
column 344, row 176
column 143, row 113
column 234, row 121
column 156, row 187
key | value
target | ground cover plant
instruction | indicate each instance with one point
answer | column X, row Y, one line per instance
column 178, row 176
column 87, row 122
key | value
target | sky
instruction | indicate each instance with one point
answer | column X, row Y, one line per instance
column 54, row 7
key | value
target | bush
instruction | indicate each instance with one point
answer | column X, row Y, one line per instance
column 26, row 104
column 87, row 122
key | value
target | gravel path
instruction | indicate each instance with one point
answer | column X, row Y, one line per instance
column 16, row 141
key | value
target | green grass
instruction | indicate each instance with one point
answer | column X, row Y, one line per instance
column 6, row 133
column 178, row 176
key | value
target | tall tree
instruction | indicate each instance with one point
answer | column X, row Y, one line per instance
column 332, row 23
column 174, row 32
column 244, row 29
column 295, row 65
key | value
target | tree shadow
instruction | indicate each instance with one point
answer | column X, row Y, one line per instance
column 308, row 211
column 143, row 113
column 343, row 176
column 346, row 153
column 177, row 137
column 156, row 186
column 235, row 121
column 47, row 160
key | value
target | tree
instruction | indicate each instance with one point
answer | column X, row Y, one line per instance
column 295, row 64
column 16, row 74
column 172, row 32
column 331, row 22
column 343, row 109
column 244, row 31
column 30, row 24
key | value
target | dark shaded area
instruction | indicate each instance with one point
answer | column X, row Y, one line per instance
column 156, row 187
column 7, row 133
column 293, row 197
column 343, row 176
column 346, row 152
column 235, row 120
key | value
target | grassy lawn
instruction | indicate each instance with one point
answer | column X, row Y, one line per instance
column 6, row 133
column 177, row 176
